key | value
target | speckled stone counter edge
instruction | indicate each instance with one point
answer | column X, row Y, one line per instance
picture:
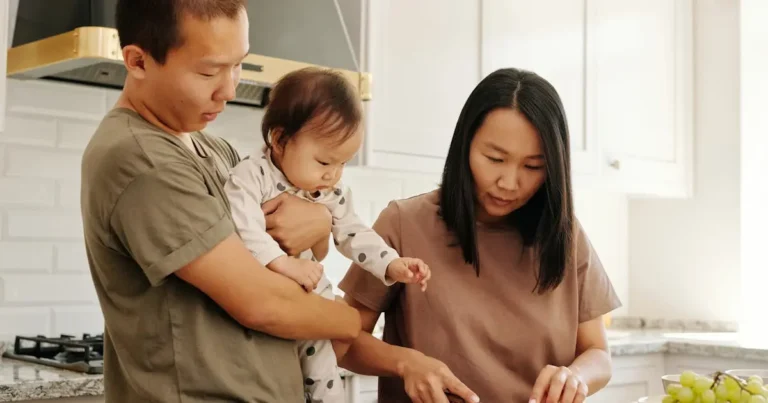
column 706, row 326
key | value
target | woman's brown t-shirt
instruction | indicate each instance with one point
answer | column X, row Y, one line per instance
column 492, row 330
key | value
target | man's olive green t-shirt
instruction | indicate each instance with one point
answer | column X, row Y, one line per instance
column 150, row 206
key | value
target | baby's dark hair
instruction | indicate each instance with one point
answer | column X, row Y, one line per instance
column 305, row 94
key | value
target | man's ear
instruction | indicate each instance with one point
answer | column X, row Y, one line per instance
column 135, row 59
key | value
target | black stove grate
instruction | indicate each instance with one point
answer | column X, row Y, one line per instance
column 83, row 355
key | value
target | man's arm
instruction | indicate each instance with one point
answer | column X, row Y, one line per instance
column 266, row 301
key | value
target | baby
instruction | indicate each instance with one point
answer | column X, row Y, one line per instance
column 312, row 127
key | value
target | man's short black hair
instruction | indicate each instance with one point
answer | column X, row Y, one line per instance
column 154, row 25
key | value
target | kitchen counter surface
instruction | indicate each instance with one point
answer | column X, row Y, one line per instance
column 715, row 344
column 21, row 381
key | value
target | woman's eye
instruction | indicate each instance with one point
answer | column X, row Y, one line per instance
column 206, row 75
column 322, row 163
column 494, row 160
column 534, row 167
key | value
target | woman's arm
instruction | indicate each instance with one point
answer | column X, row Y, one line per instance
column 593, row 362
column 589, row 372
column 426, row 379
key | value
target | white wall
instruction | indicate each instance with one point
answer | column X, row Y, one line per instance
column 754, row 164
column 685, row 254
column 45, row 286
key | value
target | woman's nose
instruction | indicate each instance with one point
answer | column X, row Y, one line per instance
column 508, row 181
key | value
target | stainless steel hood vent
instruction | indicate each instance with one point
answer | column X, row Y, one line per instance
column 81, row 45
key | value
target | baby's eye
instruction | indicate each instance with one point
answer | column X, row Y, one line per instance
column 322, row 163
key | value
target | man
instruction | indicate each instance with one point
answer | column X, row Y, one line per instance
column 190, row 315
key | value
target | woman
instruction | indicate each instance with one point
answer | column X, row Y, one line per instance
column 515, row 301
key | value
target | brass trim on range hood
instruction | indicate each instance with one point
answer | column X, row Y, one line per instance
column 92, row 55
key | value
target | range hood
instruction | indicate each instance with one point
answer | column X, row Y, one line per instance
column 75, row 41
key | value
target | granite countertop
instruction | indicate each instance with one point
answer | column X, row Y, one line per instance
column 709, row 344
column 25, row 381
column 20, row 380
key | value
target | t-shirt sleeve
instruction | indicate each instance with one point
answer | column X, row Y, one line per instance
column 596, row 293
column 166, row 218
column 365, row 287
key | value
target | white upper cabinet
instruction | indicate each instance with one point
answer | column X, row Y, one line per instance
column 4, row 24
column 424, row 57
column 642, row 93
column 546, row 37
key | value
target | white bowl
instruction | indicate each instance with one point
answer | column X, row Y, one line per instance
column 744, row 374
column 670, row 379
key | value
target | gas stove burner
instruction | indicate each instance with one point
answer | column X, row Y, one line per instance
column 83, row 355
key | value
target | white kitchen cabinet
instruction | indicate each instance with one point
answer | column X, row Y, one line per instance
column 424, row 57
column 633, row 377
column 4, row 24
column 623, row 69
column 546, row 37
column 641, row 101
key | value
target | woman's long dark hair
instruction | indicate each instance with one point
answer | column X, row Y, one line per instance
column 546, row 221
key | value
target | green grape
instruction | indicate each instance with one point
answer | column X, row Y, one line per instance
column 673, row 388
column 755, row 387
column 721, row 391
column 702, row 384
column 668, row 399
column 757, row 399
column 708, row 396
column 755, row 378
column 734, row 395
column 731, row 384
column 685, row 395
column 688, row 378
column 745, row 397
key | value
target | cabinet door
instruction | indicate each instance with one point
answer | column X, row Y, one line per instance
column 548, row 38
column 642, row 103
column 4, row 41
column 633, row 377
column 424, row 60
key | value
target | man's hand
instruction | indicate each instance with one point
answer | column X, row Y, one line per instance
column 305, row 272
column 296, row 224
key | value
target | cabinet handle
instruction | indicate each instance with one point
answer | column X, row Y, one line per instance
column 615, row 164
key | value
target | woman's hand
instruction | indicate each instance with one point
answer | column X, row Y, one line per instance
column 427, row 380
column 558, row 385
column 296, row 224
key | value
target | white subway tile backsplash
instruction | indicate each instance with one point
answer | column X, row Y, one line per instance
column 48, row 288
column 25, row 256
column 56, row 99
column 42, row 163
column 29, row 130
column 77, row 320
column 2, row 158
column 74, row 134
column 21, row 321
column 71, row 256
column 44, row 224
column 32, row 192
column 68, row 194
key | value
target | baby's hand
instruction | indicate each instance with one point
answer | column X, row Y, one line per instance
column 409, row 270
column 305, row 272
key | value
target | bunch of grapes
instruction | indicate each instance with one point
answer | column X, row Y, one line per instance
column 722, row 388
